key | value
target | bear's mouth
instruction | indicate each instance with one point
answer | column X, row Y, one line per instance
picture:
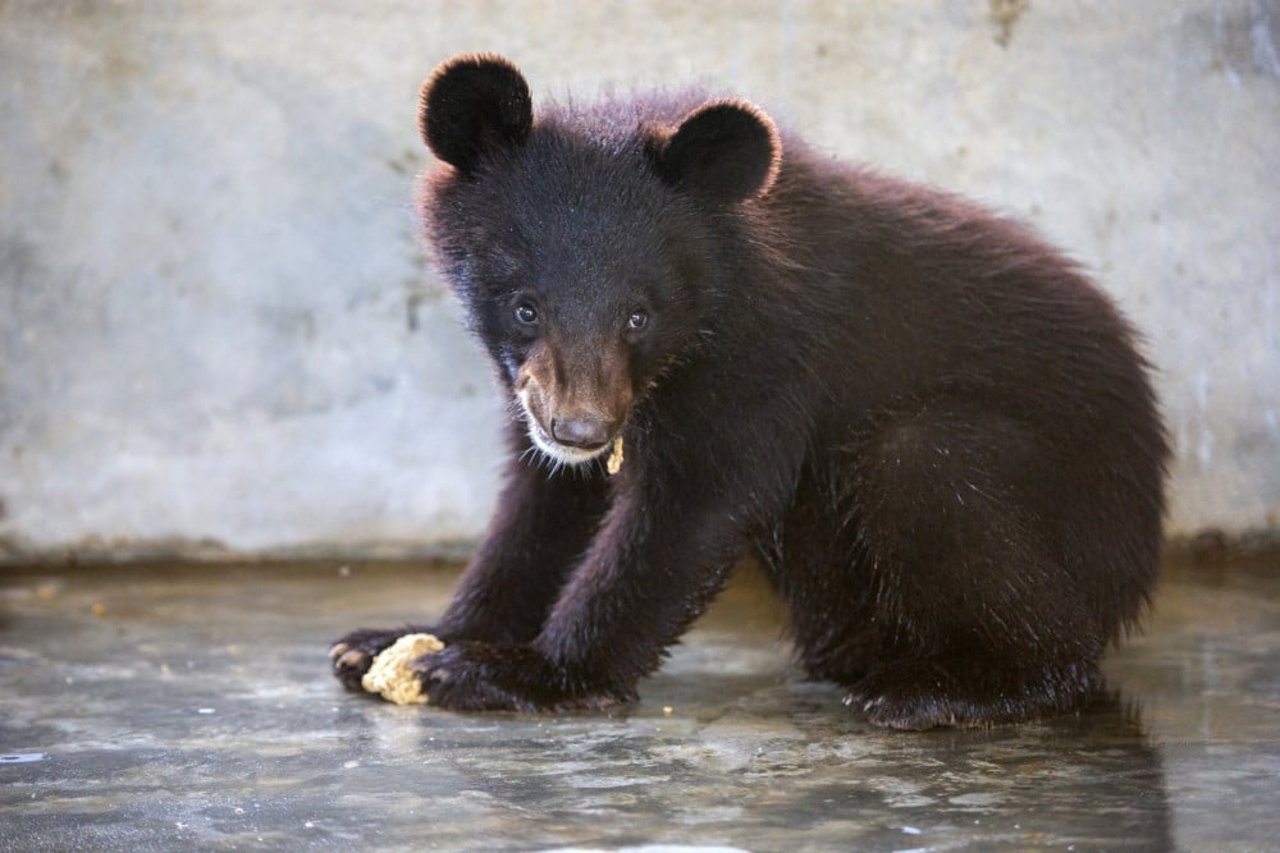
column 562, row 453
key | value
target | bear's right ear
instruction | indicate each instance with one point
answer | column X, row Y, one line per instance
column 472, row 105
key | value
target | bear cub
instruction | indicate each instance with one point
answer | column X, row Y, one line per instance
column 933, row 430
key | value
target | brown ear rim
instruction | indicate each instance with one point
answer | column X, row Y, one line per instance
column 775, row 140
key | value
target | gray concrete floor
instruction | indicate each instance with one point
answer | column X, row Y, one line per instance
column 172, row 707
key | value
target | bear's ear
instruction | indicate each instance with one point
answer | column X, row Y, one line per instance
column 725, row 152
column 472, row 105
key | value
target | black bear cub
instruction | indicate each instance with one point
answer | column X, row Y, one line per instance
column 933, row 430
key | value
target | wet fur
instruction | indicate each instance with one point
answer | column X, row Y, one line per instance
column 935, row 431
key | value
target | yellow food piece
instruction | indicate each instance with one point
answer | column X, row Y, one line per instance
column 390, row 676
column 614, row 463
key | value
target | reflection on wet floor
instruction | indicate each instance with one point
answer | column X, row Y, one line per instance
column 176, row 706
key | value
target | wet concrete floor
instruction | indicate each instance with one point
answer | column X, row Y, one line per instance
column 176, row 707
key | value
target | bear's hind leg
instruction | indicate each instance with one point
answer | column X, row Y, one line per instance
column 809, row 556
column 986, row 612
column 965, row 690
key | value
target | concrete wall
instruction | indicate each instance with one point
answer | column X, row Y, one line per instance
column 218, row 331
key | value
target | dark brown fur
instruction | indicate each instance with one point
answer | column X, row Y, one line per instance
column 935, row 431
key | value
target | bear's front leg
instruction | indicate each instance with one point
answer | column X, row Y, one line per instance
column 542, row 523
column 653, row 567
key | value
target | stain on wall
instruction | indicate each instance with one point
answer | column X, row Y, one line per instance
column 1242, row 38
column 1005, row 15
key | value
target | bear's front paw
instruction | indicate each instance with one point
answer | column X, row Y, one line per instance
column 352, row 654
column 469, row 676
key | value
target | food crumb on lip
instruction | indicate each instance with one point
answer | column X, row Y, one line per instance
column 614, row 465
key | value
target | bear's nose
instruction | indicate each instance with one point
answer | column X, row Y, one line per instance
column 585, row 433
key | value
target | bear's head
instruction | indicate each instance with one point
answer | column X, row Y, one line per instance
column 590, row 247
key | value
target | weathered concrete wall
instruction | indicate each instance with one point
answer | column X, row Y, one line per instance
column 217, row 327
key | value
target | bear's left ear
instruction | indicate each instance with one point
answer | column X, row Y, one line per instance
column 472, row 105
column 725, row 152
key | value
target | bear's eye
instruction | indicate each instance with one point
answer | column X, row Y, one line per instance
column 637, row 321
column 526, row 314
